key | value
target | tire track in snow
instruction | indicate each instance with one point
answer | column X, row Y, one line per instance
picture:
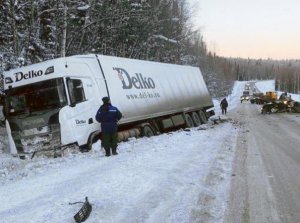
column 212, row 201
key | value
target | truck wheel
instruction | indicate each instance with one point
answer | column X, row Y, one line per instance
column 196, row 119
column 147, row 131
column 203, row 118
column 188, row 121
column 87, row 147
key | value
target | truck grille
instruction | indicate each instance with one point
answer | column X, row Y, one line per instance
column 38, row 139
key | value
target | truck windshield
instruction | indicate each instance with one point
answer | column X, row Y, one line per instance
column 35, row 97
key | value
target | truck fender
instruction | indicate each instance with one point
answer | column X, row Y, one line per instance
column 94, row 137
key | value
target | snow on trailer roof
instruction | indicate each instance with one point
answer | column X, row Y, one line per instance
column 133, row 59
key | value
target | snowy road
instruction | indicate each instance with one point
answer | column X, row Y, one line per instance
column 266, row 186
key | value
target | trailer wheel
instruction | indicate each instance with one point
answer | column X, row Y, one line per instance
column 196, row 119
column 188, row 121
column 148, row 131
column 203, row 118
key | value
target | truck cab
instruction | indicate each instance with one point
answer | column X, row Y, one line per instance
column 50, row 106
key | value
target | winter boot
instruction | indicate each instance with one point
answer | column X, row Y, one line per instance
column 114, row 151
column 107, row 151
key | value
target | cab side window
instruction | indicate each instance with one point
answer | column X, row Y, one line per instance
column 76, row 91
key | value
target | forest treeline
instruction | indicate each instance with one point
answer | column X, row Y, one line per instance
column 157, row 30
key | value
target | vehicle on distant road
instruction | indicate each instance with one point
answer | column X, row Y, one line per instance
column 247, row 87
column 257, row 98
column 245, row 96
column 260, row 98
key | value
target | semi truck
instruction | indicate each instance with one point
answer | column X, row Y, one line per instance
column 51, row 106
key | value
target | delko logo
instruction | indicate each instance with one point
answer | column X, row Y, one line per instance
column 80, row 122
column 32, row 74
column 137, row 81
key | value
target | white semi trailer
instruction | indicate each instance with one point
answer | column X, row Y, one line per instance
column 52, row 105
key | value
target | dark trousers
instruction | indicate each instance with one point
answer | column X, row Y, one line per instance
column 224, row 111
column 110, row 141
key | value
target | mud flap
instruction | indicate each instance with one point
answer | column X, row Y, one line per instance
column 84, row 212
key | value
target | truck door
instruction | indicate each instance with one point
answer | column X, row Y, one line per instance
column 79, row 116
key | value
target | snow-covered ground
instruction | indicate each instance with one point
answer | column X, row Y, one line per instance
column 183, row 176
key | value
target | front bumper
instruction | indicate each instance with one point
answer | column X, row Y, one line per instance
column 35, row 140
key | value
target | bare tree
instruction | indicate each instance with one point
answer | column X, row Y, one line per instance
column 64, row 30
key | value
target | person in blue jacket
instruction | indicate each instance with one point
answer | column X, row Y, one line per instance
column 109, row 116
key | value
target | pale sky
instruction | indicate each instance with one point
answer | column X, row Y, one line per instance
column 250, row 28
